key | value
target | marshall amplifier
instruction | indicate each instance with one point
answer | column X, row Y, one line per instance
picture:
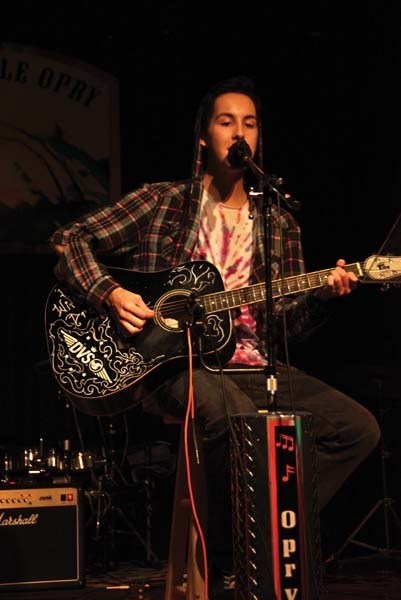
column 276, row 532
column 41, row 538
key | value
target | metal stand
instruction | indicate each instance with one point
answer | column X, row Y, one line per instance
column 110, row 518
column 385, row 503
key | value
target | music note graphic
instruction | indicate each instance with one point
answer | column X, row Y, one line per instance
column 286, row 442
column 289, row 470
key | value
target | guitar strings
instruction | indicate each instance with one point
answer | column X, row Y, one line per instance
column 256, row 293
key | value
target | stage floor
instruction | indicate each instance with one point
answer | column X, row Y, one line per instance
column 372, row 578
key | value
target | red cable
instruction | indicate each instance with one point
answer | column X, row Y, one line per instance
column 190, row 413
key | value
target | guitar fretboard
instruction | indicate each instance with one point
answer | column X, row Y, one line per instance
column 253, row 294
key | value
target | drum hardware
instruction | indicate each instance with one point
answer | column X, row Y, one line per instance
column 148, row 462
column 65, row 460
column 28, row 460
column 385, row 503
column 57, row 464
column 109, row 520
column 53, row 460
column 81, row 461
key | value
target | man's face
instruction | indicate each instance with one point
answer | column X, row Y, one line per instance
column 234, row 118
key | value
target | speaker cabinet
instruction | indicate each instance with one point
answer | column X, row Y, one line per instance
column 276, row 529
column 41, row 538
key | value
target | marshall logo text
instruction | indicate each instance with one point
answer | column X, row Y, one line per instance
column 19, row 520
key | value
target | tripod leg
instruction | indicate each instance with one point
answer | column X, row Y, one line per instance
column 350, row 538
column 385, row 501
column 395, row 516
column 388, row 508
column 131, row 529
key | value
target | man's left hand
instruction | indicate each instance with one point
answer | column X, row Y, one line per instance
column 339, row 282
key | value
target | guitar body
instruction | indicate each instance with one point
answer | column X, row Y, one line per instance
column 97, row 366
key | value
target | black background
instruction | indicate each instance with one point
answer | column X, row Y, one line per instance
column 328, row 74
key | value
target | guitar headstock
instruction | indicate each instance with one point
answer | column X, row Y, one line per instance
column 383, row 268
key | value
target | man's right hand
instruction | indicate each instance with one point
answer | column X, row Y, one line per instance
column 129, row 309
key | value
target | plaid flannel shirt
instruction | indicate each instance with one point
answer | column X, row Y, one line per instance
column 156, row 227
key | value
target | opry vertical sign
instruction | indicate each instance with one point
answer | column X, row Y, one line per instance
column 286, row 508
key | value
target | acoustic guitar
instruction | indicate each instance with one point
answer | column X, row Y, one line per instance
column 101, row 370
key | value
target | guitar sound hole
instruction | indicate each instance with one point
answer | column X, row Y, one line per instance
column 174, row 310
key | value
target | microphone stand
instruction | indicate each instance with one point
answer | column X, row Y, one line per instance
column 239, row 156
column 270, row 368
column 271, row 183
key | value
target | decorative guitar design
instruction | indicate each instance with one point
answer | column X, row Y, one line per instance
column 101, row 370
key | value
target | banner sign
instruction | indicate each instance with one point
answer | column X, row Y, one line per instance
column 59, row 143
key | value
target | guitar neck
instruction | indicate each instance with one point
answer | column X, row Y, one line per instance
column 256, row 293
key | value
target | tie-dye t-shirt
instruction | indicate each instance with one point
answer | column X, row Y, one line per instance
column 226, row 240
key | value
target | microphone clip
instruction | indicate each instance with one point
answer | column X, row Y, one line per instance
column 275, row 183
column 240, row 156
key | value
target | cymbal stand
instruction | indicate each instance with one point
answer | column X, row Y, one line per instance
column 386, row 503
column 110, row 518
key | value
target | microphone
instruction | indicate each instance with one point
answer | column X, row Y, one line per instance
column 240, row 155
